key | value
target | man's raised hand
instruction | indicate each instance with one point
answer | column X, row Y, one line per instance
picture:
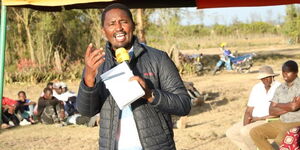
column 93, row 59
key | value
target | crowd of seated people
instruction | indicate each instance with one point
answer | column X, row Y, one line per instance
column 56, row 105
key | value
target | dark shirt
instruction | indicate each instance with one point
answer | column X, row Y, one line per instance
column 22, row 104
column 43, row 103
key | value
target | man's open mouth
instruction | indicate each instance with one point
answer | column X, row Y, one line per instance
column 120, row 36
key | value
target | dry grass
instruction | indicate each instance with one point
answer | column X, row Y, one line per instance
column 206, row 124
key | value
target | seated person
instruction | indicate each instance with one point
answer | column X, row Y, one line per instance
column 49, row 85
column 285, row 104
column 69, row 99
column 257, row 109
column 57, row 90
column 226, row 56
column 50, row 110
column 25, row 107
column 8, row 112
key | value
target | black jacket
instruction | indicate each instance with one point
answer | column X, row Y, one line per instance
column 153, row 120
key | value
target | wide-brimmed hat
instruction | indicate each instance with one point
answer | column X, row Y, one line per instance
column 266, row 71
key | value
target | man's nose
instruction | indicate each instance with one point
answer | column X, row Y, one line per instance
column 284, row 74
column 119, row 26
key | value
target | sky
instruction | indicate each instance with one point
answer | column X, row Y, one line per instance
column 227, row 16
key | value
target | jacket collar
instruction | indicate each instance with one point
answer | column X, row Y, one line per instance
column 137, row 49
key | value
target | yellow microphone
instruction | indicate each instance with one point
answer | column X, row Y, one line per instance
column 122, row 55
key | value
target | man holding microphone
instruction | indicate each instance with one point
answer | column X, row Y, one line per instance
column 146, row 123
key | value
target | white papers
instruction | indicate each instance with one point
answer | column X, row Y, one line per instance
column 122, row 90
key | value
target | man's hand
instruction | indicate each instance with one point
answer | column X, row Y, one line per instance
column 148, row 92
column 248, row 120
column 295, row 104
column 256, row 119
column 248, row 115
column 93, row 59
column 10, row 109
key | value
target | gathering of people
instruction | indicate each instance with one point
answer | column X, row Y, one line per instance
column 271, row 119
column 56, row 105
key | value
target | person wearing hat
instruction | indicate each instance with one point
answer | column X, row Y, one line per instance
column 257, row 109
column 286, row 105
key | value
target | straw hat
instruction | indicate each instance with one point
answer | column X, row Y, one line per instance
column 266, row 71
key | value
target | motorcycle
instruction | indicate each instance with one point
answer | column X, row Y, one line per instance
column 196, row 62
column 240, row 64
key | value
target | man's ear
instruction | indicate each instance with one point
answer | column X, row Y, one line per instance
column 102, row 30
column 103, row 34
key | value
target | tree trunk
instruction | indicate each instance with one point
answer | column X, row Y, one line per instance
column 57, row 61
column 140, row 25
column 27, row 29
column 30, row 43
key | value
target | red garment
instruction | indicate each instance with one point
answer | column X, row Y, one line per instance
column 291, row 140
column 8, row 101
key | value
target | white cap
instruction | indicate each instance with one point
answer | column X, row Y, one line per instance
column 63, row 85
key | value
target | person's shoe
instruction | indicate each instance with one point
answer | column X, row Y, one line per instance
column 10, row 123
column 24, row 122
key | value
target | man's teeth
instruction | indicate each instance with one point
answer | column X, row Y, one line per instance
column 120, row 36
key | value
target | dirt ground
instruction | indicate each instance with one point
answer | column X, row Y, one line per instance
column 206, row 124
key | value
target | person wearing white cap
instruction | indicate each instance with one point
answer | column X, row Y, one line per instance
column 257, row 109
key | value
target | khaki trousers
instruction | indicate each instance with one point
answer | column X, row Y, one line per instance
column 272, row 130
column 239, row 134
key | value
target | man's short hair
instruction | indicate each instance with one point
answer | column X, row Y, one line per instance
column 116, row 6
column 23, row 92
column 48, row 89
column 49, row 84
column 290, row 66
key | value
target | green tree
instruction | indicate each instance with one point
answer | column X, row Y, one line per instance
column 291, row 26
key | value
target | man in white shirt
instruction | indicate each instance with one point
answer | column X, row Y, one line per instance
column 257, row 109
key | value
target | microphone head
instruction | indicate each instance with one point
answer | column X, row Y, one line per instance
column 122, row 55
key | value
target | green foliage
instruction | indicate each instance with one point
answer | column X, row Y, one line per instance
column 242, row 28
column 36, row 35
column 221, row 30
column 291, row 26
